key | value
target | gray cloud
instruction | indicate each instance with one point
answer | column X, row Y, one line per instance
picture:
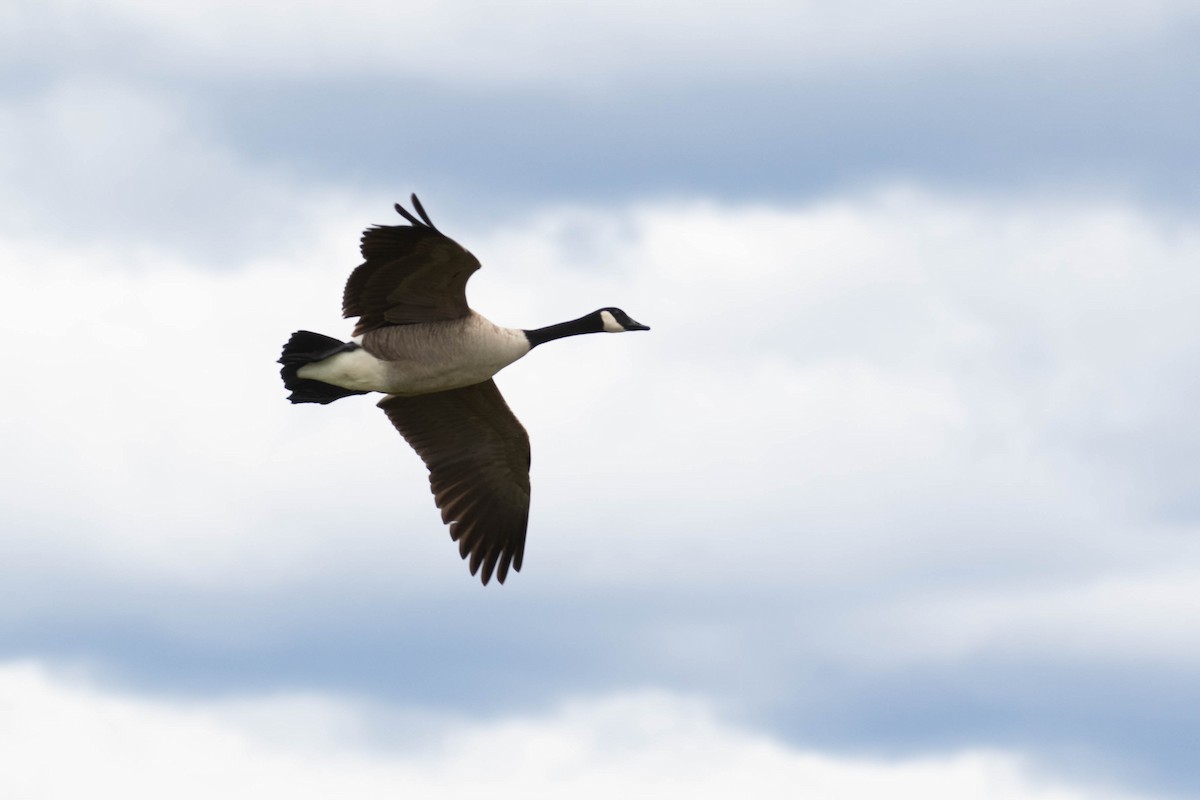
column 149, row 130
column 313, row 746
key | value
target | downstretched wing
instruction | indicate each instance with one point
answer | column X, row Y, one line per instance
column 410, row 273
column 477, row 453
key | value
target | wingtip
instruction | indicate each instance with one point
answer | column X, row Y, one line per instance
column 423, row 221
column 421, row 211
column 402, row 211
column 485, row 576
column 486, row 568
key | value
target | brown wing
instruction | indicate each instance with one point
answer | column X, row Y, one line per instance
column 410, row 273
column 478, row 459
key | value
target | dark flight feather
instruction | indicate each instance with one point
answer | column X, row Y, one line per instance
column 410, row 273
column 477, row 453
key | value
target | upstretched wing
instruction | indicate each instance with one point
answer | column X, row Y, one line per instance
column 410, row 273
column 477, row 453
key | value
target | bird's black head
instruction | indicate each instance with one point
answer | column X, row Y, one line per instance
column 614, row 320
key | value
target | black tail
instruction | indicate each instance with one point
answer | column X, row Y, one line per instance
column 306, row 347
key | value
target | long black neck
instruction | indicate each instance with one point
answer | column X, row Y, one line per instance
column 589, row 324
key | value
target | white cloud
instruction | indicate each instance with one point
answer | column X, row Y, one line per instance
column 90, row 159
column 539, row 43
column 64, row 737
column 148, row 397
column 852, row 395
column 1138, row 618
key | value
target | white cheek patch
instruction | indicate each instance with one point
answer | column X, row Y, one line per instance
column 610, row 323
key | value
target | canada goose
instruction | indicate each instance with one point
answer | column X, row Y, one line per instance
column 418, row 341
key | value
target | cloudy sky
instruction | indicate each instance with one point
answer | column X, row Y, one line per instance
column 898, row 498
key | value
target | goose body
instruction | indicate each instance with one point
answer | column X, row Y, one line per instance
column 423, row 357
column 418, row 342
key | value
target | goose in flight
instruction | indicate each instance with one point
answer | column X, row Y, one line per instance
column 419, row 342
